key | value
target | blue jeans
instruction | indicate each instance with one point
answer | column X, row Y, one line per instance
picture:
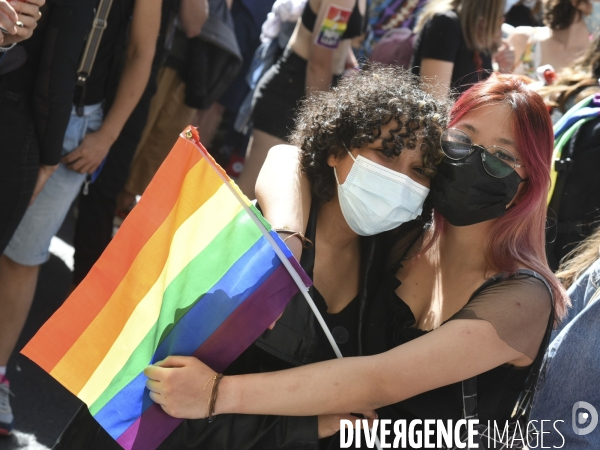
column 30, row 243
column 569, row 384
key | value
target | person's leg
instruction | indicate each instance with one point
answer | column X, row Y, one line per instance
column 17, row 287
column 207, row 121
column 30, row 243
column 258, row 147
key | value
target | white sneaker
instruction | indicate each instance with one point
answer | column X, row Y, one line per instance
column 6, row 416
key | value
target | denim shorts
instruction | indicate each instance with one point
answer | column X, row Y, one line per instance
column 31, row 241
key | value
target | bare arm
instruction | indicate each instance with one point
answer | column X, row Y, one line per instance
column 324, row 41
column 193, row 14
column 437, row 75
column 140, row 52
column 283, row 192
column 456, row 351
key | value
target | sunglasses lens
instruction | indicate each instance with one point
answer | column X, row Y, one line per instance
column 456, row 144
column 499, row 162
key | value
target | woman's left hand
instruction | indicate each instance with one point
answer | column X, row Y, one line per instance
column 177, row 385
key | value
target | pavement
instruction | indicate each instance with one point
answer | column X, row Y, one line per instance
column 42, row 407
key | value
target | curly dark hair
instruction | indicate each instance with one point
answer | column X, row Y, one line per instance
column 560, row 14
column 351, row 115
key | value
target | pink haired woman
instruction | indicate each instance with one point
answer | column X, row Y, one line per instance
column 471, row 296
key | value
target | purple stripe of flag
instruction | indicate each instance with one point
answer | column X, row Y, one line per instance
column 241, row 328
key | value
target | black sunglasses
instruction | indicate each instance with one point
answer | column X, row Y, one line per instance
column 497, row 161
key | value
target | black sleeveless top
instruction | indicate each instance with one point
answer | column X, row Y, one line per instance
column 356, row 24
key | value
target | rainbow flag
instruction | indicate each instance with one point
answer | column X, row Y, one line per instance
column 190, row 272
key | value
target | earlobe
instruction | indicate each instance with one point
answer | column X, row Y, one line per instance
column 332, row 160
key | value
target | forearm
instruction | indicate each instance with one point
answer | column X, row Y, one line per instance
column 193, row 14
column 131, row 86
column 437, row 76
column 308, row 390
column 369, row 382
column 283, row 192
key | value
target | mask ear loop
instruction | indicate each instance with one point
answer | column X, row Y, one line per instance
column 335, row 171
column 348, row 151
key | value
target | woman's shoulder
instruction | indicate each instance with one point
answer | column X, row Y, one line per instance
column 448, row 19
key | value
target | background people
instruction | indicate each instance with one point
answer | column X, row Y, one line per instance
column 565, row 37
column 86, row 142
column 455, row 44
column 35, row 102
column 318, row 50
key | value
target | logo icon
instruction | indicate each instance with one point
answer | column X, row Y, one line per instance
column 580, row 418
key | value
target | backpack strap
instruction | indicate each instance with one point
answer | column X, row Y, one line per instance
column 469, row 386
column 90, row 51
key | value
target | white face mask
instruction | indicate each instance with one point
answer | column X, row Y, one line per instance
column 375, row 199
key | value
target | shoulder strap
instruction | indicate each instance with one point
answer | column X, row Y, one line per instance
column 469, row 386
column 92, row 44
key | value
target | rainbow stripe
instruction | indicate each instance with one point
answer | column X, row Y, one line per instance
column 188, row 273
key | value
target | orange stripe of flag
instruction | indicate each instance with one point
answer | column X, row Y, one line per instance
column 83, row 358
column 63, row 330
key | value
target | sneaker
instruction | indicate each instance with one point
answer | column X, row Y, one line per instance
column 6, row 416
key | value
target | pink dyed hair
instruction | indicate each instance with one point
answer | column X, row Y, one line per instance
column 518, row 238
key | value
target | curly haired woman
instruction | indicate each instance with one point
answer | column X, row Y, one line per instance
column 375, row 138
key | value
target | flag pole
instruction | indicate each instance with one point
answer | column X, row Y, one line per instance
column 189, row 135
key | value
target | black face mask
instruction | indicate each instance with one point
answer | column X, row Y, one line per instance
column 465, row 194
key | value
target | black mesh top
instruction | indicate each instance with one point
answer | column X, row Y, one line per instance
column 518, row 308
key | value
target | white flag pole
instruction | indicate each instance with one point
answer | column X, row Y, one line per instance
column 292, row 271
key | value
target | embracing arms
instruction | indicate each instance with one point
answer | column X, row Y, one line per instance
column 456, row 351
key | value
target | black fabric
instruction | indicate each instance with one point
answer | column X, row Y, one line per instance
column 94, row 226
column 465, row 194
column 213, row 59
column 574, row 209
column 12, row 60
column 355, row 27
column 498, row 389
column 19, row 162
column 277, row 95
column 442, row 38
column 521, row 16
column 47, row 79
column 112, row 39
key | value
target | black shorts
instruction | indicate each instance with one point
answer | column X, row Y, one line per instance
column 277, row 95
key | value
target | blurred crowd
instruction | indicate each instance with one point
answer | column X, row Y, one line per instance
column 94, row 94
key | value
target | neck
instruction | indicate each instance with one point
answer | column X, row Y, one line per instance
column 332, row 227
column 464, row 247
column 574, row 36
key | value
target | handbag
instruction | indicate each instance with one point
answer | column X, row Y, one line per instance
column 520, row 434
